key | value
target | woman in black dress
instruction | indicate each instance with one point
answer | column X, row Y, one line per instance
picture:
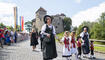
column 85, row 39
column 34, row 39
column 48, row 44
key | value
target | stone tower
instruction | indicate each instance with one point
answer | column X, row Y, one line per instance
column 40, row 13
column 58, row 22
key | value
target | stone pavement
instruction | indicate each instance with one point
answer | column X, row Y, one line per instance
column 23, row 51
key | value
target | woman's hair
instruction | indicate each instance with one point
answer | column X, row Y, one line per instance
column 45, row 18
column 6, row 32
column 33, row 30
column 72, row 33
column 65, row 33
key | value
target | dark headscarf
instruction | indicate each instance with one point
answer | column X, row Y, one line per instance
column 45, row 18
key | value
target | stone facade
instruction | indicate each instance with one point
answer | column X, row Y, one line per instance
column 58, row 23
column 57, row 20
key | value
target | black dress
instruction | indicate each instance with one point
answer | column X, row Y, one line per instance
column 34, row 40
column 49, row 48
column 85, row 47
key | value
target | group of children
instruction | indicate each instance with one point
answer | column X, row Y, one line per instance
column 73, row 46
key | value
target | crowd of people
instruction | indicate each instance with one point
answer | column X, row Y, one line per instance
column 7, row 37
column 71, row 45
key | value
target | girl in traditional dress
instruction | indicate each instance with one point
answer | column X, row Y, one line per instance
column 34, row 41
column 48, row 44
column 79, row 46
column 73, row 43
column 66, row 45
column 92, row 50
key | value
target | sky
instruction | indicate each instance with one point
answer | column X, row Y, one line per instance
column 77, row 10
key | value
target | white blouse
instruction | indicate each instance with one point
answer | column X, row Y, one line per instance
column 82, row 34
column 44, row 28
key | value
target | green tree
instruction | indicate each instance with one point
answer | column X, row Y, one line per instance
column 2, row 25
column 10, row 27
column 28, row 25
column 67, row 23
column 75, row 28
column 98, row 30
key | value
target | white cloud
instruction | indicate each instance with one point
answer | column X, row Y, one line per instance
column 78, row 1
column 90, row 14
column 7, row 13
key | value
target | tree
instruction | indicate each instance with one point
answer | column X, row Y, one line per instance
column 2, row 25
column 28, row 25
column 75, row 28
column 9, row 27
column 67, row 23
column 98, row 30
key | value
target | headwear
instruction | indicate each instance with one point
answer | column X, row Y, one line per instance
column 84, row 28
column 78, row 37
column 45, row 20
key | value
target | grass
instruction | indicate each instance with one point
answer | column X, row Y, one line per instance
column 60, row 35
column 100, row 49
column 99, row 43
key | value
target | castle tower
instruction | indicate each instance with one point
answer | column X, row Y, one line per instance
column 40, row 13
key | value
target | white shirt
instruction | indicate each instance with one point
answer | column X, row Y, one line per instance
column 82, row 34
column 44, row 28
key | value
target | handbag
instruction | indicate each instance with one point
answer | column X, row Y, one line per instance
column 47, row 39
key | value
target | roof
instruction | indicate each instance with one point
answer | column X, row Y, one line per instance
column 33, row 20
column 41, row 9
column 62, row 14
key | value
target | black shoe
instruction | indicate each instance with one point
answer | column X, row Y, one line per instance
column 94, row 57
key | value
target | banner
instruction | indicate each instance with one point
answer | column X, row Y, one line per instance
column 22, row 23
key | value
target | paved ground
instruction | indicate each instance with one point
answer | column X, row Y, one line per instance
column 23, row 51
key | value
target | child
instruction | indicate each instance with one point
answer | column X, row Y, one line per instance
column 73, row 43
column 92, row 50
column 79, row 46
column 66, row 46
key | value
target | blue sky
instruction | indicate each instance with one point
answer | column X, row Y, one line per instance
column 71, row 8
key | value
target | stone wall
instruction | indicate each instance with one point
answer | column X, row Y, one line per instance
column 58, row 23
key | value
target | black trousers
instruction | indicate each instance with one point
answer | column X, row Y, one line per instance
column 41, row 40
column 15, row 39
column 92, row 52
column 79, row 50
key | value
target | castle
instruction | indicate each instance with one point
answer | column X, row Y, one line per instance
column 57, row 20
